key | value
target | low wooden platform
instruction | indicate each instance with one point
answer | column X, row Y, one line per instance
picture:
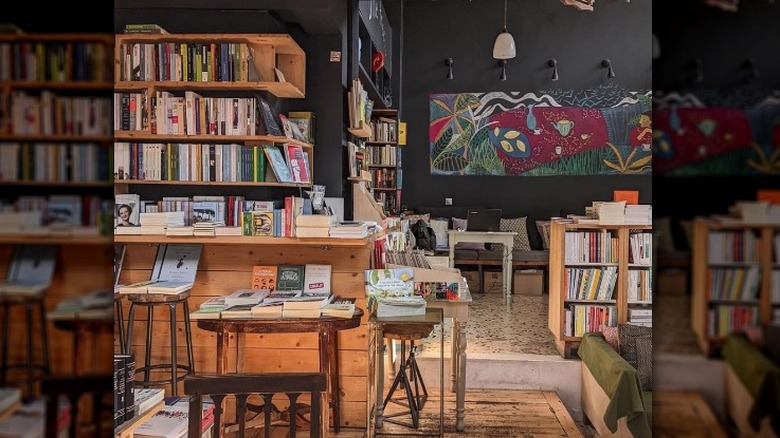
column 684, row 414
column 489, row 413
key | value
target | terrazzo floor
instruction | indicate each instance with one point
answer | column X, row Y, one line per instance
column 520, row 327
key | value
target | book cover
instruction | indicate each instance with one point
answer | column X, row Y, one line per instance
column 317, row 278
column 262, row 223
column 264, row 277
column 127, row 210
column 168, row 422
column 278, row 164
column 290, row 277
column 177, row 262
column 31, row 269
column 340, row 307
column 305, row 122
column 388, row 283
column 298, row 161
column 241, row 311
column 269, row 124
column 246, row 296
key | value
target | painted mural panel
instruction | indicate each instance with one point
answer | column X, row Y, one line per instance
column 600, row 131
column 736, row 132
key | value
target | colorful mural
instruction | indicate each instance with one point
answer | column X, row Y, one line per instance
column 733, row 133
column 601, row 131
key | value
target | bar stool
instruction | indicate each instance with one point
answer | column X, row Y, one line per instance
column 120, row 323
column 29, row 302
column 408, row 375
column 150, row 301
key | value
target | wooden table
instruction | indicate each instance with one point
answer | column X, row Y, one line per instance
column 506, row 238
column 327, row 329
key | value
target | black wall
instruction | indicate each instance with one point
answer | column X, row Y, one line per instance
column 724, row 41
column 465, row 31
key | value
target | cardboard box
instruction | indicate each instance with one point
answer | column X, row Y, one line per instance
column 673, row 282
column 528, row 282
column 472, row 279
column 493, row 281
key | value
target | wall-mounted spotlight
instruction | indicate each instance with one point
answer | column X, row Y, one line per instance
column 448, row 62
column 606, row 63
column 750, row 66
column 502, row 63
column 699, row 66
column 554, row 64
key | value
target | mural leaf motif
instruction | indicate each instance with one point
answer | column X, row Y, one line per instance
column 442, row 142
column 449, row 162
column 640, row 163
column 461, row 141
column 612, row 165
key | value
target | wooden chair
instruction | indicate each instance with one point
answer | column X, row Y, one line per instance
column 96, row 386
column 241, row 386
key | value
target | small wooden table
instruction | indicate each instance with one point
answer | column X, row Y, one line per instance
column 326, row 327
column 506, row 238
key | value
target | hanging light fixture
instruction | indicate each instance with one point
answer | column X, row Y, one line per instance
column 504, row 47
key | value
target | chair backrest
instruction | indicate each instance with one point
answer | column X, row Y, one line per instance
column 97, row 386
column 242, row 386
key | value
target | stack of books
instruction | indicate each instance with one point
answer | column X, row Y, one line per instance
column 16, row 222
column 314, row 225
column 610, row 213
column 339, row 308
column 641, row 214
column 157, row 223
column 98, row 304
column 349, row 230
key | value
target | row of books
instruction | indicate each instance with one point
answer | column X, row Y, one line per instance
column 279, row 304
column 55, row 162
column 55, row 61
column 28, row 213
column 51, row 114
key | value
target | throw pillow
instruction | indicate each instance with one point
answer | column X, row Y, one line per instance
column 439, row 226
column 518, row 225
column 413, row 218
column 644, row 361
column 544, row 231
column 627, row 336
column 462, row 224
column 611, row 336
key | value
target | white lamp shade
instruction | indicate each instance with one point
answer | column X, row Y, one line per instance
column 504, row 48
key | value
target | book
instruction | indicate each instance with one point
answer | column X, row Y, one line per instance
column 145, row 28
column 127, row 210
column 290, row 277
column 168, row 422
column 316, row 278
column 286, row 126
column 177, row 262
column 31, row 269
column 269, row 124
column 307, row 301
column 139, row 287
column 207, row 312
column 305, row 121
column 146, row 398
column 298, row 163
column 278, row 164
column 262, row 223
column 246, row 297
column 119, row 258
column 381, row 284
column 169, row 287
column 29, row 420
column 240, row 311
column 315, row 220
column 264, row 277
column 267, row 309
column 339, row 307
column 9, row 397
column 389, row 307
column 300, row 313
column 280, row 296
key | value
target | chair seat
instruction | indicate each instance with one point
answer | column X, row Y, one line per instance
column 407, row 332
column 157, row 298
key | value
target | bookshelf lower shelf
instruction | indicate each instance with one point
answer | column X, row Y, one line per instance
column 55, row 240
column 243, row 240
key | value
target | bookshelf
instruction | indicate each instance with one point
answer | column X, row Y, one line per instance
column 599, row 274
column 383, row 157
column 735, row 277
column 203, row 97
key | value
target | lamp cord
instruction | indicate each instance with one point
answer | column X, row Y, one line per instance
column 505, row 1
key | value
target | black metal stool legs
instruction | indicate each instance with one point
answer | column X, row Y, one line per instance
column 120, row 329
column 174, row 355
column 45, row 337
column 6, row 328
column 414, row 400
column 188, row 335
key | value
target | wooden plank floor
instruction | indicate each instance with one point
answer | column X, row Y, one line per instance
column 489, row 414
column 684, row 414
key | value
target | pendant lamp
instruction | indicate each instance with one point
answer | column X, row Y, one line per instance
column 504, row 48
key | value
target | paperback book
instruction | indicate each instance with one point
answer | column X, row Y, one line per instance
column 31, row 270
column 290, row 277
column 393, row 286
column 340, row 308
column 264, row 277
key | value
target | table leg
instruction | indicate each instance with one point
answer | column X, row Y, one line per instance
column 507, row 271
column 380, row 378
column 454, row 357
column 329, row 364
column 390, row 358
column 223, row 342
column 460, row 397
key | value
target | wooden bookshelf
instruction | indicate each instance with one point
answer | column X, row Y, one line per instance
column 241, row 240
column 55, row 240
column 208, row 183
column 138, row 136
column 720, row 277
column 608, row 248
column 383, row 156
column 269, row 52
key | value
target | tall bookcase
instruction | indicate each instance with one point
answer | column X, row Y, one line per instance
column 599, row 274
column 206, row 92
column 735, row 278
column 55, row 146
column 383, row 155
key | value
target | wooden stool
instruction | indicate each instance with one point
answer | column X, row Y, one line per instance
column 413, row 398
column 150, row 301
column 7, row 302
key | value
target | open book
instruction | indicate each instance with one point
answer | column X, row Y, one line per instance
column 31, row 270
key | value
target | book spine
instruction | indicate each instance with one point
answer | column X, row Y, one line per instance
column 129, row 365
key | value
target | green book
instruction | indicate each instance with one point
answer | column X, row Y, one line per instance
column 289, row 277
